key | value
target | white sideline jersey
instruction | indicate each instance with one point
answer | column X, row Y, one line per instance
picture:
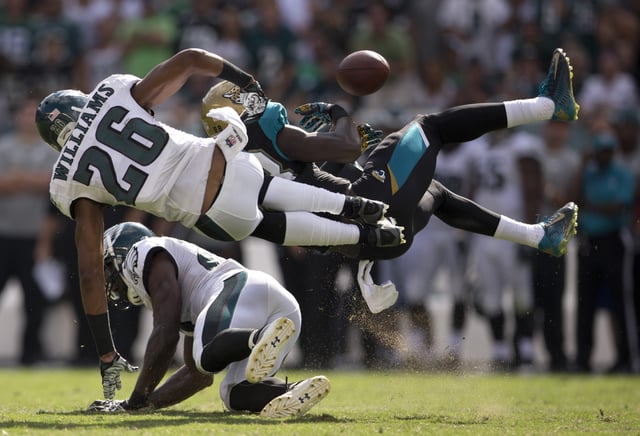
column 201, row 274
column 119, row 154
column 494, row 264
column 454, row 172
column 498, row 181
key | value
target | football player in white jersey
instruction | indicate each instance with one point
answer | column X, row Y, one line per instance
column 231, row 317
column 114, row 152
column 508, row 179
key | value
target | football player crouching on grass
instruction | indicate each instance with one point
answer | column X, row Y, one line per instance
column 400, row 168
column 232, row 317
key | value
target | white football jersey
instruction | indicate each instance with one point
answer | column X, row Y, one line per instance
column 454, row 172
column 498, row 180
column 201, row 274
column 119, row 154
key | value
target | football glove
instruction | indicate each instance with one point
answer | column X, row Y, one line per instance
column 108, row 406
column 314, row 116
column 369, row 137
column 377, row 297
column 254, row 101
column 111, row 375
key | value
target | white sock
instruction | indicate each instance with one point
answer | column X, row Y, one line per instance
column 525, row 348
column 528, row 110
column 501, row 350
column 287, row 195
column 304, row 229
column 455, row 342
column 519, row 232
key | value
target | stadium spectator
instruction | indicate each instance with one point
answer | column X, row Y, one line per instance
column 609, row 89
column 508, row 177
column 392, row 106
column 147, row 40
column 57, row 52
column 16, row 36
column 271, row 44
column 605, row 191
column 559, row 166
column 626, row 126
column 25, row 170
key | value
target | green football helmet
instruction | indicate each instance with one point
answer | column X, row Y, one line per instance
column 117, row 242
column 57, row 115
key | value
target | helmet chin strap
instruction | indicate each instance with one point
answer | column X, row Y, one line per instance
column 65, row 133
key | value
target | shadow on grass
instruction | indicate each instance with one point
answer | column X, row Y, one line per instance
column 162, row 418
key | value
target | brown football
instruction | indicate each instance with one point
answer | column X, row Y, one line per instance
column 362, row 72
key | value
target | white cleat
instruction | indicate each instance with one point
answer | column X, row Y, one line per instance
column 269, row 346
column 300, row 397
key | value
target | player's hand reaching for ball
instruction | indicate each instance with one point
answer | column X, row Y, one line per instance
column 314, row 115
column 369, row 137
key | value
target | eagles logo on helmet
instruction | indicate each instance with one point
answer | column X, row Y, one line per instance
column 57, row 115
column 117, row 242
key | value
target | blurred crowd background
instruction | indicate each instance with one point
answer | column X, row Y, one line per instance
column 441, row 53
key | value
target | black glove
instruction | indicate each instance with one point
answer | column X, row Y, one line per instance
column 110, row 373
column 254, row 101
column 315, row 115
column 369, row 137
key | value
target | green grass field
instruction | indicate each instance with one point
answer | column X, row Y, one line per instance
column 360, row 403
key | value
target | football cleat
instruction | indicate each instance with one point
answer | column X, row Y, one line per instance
column 271, row 340
column 364, row 210
column 107, row 406
column 558, row 87
column 384, row 234
column 559, row 228
column 299, row 398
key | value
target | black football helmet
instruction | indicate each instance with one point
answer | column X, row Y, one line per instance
column 117, row 242
column 57, row 115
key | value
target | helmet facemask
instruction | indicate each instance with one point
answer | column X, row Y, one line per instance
column 117, row 242
column 57, row 116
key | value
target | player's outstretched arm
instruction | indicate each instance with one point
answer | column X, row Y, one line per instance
column 169, row 77
column 88, row 239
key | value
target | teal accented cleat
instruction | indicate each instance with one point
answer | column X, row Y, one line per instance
column 558, row 87
column 559, row 228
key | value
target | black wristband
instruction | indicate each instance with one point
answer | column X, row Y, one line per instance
column 101, row 332
column 235, row 75
column 336, row 112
